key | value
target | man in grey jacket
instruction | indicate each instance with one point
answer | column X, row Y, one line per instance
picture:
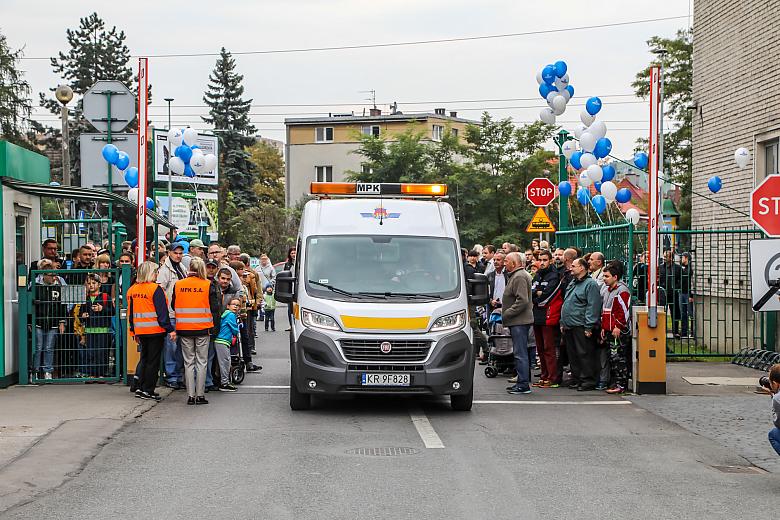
column 517, row 314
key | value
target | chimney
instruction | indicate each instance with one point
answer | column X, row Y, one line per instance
column 439, row 111
column 375, row 112
column 453, row 114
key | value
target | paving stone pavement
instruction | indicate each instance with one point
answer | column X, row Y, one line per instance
column 739, row 422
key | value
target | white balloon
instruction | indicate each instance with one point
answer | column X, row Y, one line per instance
column 588, row 159
column 211, row 162
column 609, row 190
column 176, row 165
column 564, row 81
column 569, row 148
column 742, row 157
column 566, row 95
column 198, row 163
column 594, row 173
column 559, row 104
column 191, row 136
column 547, row 116
column 585, row 180
column 632, row 215
column 598, row 129
column 539, row 79
column 550, row 97
column 586, row 118
column 132, row 195
column 559, row 84
column 579, row 130
column 587, row 141
column 175, row 138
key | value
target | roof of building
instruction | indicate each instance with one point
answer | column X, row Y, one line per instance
column 375, row 119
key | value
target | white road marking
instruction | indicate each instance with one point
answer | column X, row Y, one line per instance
column 424, row 428
column 263, row 386
column 587, row 403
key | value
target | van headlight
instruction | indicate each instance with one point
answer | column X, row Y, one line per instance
column 318, row 321
column 450, row 322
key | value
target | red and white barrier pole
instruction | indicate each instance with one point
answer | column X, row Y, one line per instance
column 143, row 123
column 654, row 196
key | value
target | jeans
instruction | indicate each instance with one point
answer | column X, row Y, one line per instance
column 94, row 355
column 520, row 347
column 174, row 363
column 270, row 319
column 774, row 439
column 686, row 313
column 44, row 348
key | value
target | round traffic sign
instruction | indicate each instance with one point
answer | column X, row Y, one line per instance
column 540, row 192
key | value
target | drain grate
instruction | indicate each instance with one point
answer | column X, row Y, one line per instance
column 383, row 452
column 739, row 469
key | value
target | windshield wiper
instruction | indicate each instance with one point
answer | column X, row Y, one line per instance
column 407, row 295
column 342, row 291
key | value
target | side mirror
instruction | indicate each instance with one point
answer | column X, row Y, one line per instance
column 285, row 287
column 477, row 289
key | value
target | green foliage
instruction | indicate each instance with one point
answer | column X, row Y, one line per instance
column 269, row 185
column 263, row 228
column 678, row 96
column 486, row 175
column 15, row 103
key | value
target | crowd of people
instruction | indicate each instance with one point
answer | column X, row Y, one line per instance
column 566, row 308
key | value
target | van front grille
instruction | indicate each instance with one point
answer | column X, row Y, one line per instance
column 400, row 351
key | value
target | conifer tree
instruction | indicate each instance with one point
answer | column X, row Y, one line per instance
column 15, row 102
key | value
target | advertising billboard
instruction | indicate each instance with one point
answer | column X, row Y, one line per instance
column 207, row 143
column 189, row 208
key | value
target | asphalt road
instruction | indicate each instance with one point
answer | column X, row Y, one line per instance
column 247, row 455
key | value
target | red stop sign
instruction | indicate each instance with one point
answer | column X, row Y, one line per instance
column 765, row 205
column 540, row 192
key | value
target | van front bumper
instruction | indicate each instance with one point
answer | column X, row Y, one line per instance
column 316, row 358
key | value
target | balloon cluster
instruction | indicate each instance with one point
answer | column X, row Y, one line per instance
column 554, row 87
column 188, row 159
column 121, row 160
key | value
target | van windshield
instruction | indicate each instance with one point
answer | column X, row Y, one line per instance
column 382, row 267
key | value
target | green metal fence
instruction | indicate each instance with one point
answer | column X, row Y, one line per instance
column 715, row 318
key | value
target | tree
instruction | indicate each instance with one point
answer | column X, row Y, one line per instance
column 269, row 185
column 15, row 102
column 677, row 63
column 403, row 159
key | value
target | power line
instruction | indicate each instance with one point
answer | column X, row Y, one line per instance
column 404, row 44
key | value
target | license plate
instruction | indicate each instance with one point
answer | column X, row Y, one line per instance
column 385, row 379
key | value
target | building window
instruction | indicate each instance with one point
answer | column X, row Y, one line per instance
column 454, row 132
column 324, row 173
column 438, row 132
column 771, row 157
column 323, row 134
column 370, row 130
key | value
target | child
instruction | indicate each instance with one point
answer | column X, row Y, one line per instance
column 616, row 326
column 269, row 307
column 97, row 314
column 228, row 331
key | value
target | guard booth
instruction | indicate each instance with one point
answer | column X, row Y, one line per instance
column 24, row 183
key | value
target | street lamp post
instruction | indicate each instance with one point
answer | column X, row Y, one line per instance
column 64, row 94
column 170, row 174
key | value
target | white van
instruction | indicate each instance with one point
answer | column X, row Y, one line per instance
column 380, row 302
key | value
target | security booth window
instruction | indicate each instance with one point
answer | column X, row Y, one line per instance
column 394, row 268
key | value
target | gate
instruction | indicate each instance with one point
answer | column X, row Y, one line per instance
column 715, row 318
column 67, row 334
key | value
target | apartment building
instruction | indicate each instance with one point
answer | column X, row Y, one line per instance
column 322, row 148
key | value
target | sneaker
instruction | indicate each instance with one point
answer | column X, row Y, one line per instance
column 47, row 376
column 190, row 400
column 515, row 390
column 201, row 400
column 550, row 384
column 540, row 383
column 617, row 389
column 512, row 380
column 145, row 395
column 288, row 329
column 253, row 368
column 228, row 388
column 601, row 387
column 254, row 352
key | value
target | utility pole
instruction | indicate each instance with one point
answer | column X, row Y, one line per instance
column 169, row 100
column 563, row 176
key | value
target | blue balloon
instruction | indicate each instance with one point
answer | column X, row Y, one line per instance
column 603, row 148
column 548, row 74
column 188, row 171
column 623, row 195
column 544, row 89
column 583, row 195
column 131, row 177
column 599, row 204
column 715, row 184
column 597, row 185
column 184, row 153
column 564, row 188
column 110, row 153
column 574, row 160
column 149, row 203
column 122, row 161
column 593, row 105
column 560, row 68
column 571, row 90
column 640, row 160
column 608, row 173
column 195, row 147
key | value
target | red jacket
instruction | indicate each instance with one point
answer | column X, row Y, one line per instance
column 615, row 312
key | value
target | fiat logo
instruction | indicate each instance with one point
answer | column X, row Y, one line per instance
column 385, row 347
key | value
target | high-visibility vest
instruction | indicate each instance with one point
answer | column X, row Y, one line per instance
column 144, row 314
column 192, row 304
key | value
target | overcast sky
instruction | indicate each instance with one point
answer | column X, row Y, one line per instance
column 497, row 75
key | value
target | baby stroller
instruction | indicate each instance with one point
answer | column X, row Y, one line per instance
column 237, row 364
column 501, row 354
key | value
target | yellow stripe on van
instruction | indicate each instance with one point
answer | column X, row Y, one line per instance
column 363, row 322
